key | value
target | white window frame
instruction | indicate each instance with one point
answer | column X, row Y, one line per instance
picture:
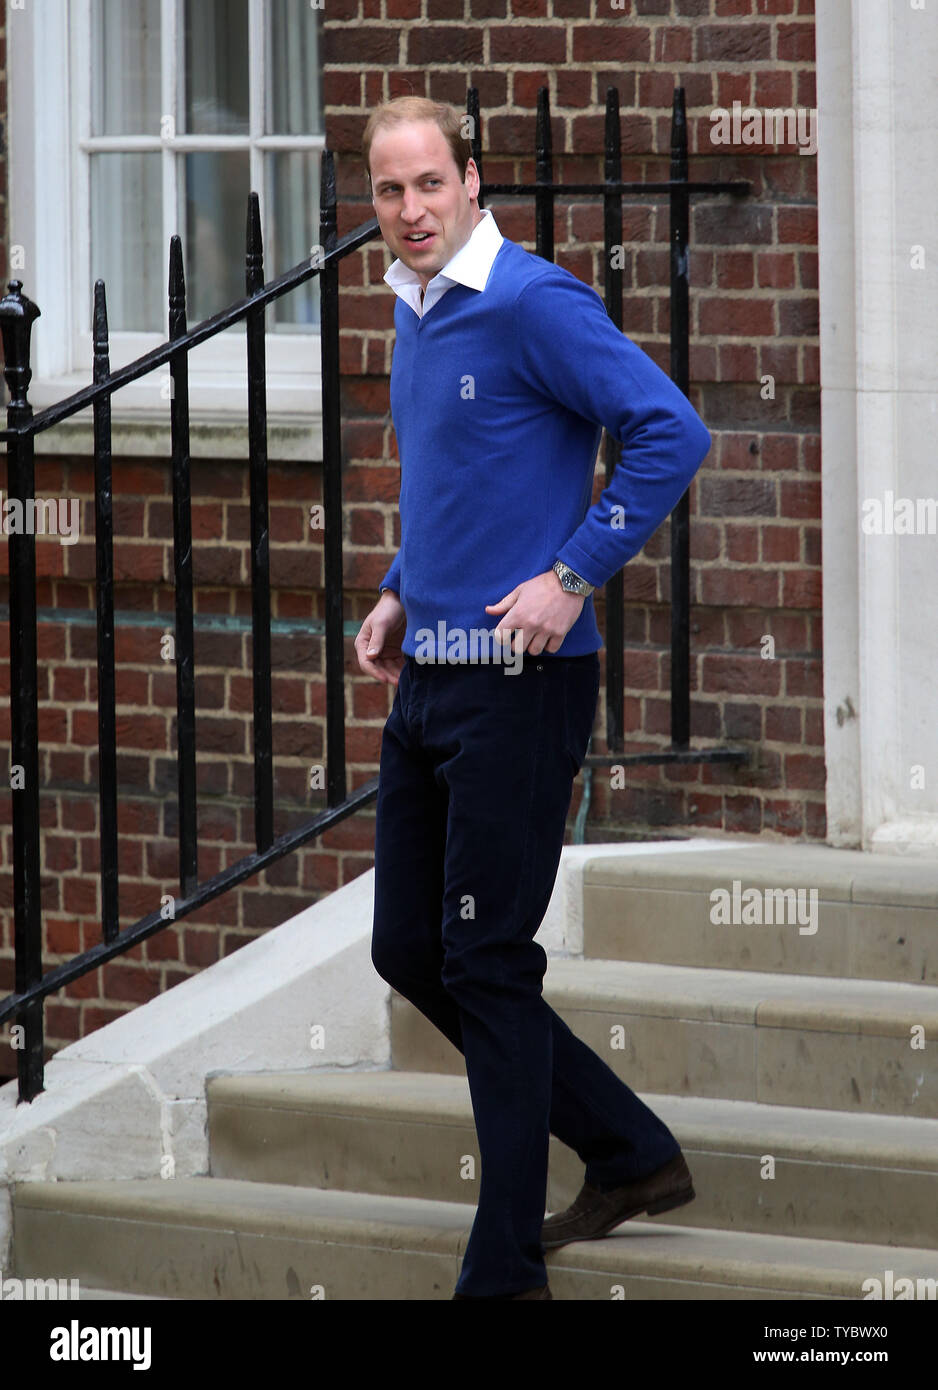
column 49, row 150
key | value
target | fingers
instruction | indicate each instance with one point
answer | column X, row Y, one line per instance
column 369, row 645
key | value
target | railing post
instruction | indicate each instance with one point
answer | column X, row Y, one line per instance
column 104, row 595
column 544, row 178
column 680, row 375
column 615, row 588
column 332, row 492
column 260, row 534
column 17, row 314
column 472, row 111
column 182, row 568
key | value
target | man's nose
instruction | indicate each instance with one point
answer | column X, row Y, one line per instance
column 412, row 210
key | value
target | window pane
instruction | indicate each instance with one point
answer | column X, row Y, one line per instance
column 216, row 67
column 125, row 67
column 292, row 231
column 126, row 240
column 215, row 198
column 294, row 96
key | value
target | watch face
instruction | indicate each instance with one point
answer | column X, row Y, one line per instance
column 569, row 580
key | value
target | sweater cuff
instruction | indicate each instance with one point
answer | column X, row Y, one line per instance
column 582, row 564
column 392, row 580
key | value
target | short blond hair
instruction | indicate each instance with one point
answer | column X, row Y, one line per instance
column 403, row 109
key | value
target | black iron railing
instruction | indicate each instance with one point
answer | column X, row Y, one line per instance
column 17, row 314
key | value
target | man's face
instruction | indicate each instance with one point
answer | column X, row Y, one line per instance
column 416, row 189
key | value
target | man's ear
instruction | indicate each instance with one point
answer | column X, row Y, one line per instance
column 472, row 169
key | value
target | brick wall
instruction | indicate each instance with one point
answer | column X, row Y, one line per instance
column 755, row 525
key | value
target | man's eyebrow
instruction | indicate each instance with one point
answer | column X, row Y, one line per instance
column 428, row 173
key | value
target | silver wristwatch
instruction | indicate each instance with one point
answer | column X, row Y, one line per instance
column 570, row 580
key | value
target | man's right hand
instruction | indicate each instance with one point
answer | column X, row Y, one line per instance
column 378, row 644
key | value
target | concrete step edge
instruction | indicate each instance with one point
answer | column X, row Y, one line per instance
column 820, row 1003
column 854, row 877
column 717, row 1256
column 904, row 1142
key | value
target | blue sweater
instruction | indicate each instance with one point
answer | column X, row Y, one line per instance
column 498, row 399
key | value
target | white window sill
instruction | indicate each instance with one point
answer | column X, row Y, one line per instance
column 218, row 418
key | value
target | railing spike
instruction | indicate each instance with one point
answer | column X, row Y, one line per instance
column 544, row 175
column 613, row 135
column 100, row 331
column 327, row 200
column 17, row 315
column 254, row 246
column 678, row 126
column 177, row 286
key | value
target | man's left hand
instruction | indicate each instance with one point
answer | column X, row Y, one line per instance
column 542, row 608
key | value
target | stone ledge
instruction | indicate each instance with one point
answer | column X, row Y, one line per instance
column 130, row 1099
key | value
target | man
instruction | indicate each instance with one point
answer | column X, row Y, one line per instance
column 505, row 370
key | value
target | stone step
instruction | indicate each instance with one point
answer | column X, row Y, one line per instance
column 876, row 918
column 408, row 1134
column 831, row 1044
column 217, row 1238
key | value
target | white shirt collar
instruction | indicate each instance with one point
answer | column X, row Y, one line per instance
column 469, row 266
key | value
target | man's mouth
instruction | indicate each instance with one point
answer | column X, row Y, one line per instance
column 419, row 238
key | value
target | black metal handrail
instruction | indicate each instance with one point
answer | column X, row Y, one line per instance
column 17, row 314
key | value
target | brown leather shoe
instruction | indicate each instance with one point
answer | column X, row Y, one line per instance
column 596, row 1213
column 542, row 1292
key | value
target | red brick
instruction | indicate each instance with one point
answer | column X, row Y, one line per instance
column 140, row 480
column 606, row 43
column 739, row 587
column 800, row 499
column 460, row 44
column 734, row 270
column 797, row 225
column 773, row 89
column 783, row 817
column 814, row 728
column 538, row 43
column 738, row 362
column 795, row 43
column 95, row 1017
column 740, row 672
column 141, row 731
column 779, row 362
column 733, row 43
column 803, row 678
column 779, row 451
column 783, row 724
column 781, row 545
column 673, row 44
column 801, row 589
column 132, row 983
column 742, row 544
column 743, row 814
column 749, row 318
column 776, row 270
column 162, row 945
column 64, row 937
column 804, row 771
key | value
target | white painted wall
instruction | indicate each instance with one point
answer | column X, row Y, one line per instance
column 878, row 199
